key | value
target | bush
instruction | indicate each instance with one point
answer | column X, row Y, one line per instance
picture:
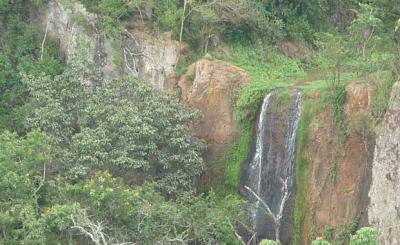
column 365, row 236
column 381, row 99
column 268, row 242
column 320, row 241
column 124, row 125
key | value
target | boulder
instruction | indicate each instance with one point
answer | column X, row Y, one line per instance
column 210, row 86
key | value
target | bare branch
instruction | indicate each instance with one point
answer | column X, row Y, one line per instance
column 269, row 212
column 275, row 217
column 95, row 231
column 44, row 40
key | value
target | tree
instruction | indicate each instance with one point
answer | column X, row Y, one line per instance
column 139, row 214
column 363, row 31
column 23, row 172
column 56, row 103
column 334, row 49
column 276, row 218
column 123, row 125
column 365, row 236
column 19, row 52
column 130, row 127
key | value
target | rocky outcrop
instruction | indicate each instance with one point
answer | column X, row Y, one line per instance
column 384, row 209
column 341, row 167
column 74, row 28
column 150, row 57
column 210, row 87
column 138, row 51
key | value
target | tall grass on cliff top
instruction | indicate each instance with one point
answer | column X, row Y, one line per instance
column 268, row 68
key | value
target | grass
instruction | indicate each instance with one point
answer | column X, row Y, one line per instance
column 268, row 69
column 185, row 62
column 382, row 95
column 324, row 84
column 263, row 63
column 283, row 99
column 233, row 160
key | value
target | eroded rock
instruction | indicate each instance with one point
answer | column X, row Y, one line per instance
column 341, row 167
column 138, row 51
column 384, row 209
column 210, row 87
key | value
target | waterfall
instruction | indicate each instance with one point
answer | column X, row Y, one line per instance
column 291, row 139
column 256, row 164
column 269, row 178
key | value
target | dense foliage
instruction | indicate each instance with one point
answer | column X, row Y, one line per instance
column 19, row 52
column 35, row 210
column 123, row 125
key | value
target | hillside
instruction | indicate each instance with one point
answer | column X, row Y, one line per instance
column 199, row 122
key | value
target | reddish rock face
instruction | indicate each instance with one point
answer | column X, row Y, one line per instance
column 337, row 201
column 210, row 87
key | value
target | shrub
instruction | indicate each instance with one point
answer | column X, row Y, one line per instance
column 365, row 236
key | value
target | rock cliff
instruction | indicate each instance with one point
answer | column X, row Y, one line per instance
column 138, row 51
column 341, row 168
column 210, row 86
column 384, row 209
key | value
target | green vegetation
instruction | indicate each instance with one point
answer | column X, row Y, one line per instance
column 268, row 69
column 365, row 236
column 57, row 184
column 283, row 100
column 344, row 234
column 232, row 161
column 57, row 211
column 320, row 241
column 349, row 235
column 268, row 242
column 382, row 96
column 337, row 99
column 88, row 160
column 123, row 125
column 20, row 53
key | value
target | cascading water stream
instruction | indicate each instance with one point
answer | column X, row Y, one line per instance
column 257, row 160
column 269, row 178
column 291, row 139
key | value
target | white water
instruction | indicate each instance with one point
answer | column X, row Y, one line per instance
column 285, row 168
column 290, row 141
column 256, row 164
